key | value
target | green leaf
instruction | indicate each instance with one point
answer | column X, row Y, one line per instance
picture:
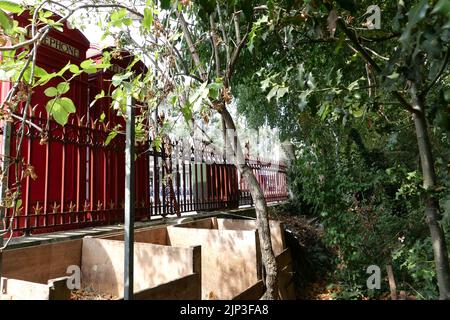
column 148, row 19
column 443, row 7
column 18, row 204
column 272, row 93
column 265, row 84
column 117, row 79
column 60, row 108
column 10, row 6
column 51, row 92
column 58, row 26
column 157, row 143
column 447, row 95
column 282, row 91
column 64, row 69
column 415, row 15
column 324, row 111
column 393, row 76
column 214, row 90
column 165, row 4
column 74, row 68
column 102, row 117
column 63, row 87
column 187, row 113
column 110, row 136
column 40, row 72
column 353, row 85
column 68, row 104
column 5, row 21
column 89, row 66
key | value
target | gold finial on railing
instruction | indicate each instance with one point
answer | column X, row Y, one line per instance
column 55, row 207
column 71, row 206
column 37, row 209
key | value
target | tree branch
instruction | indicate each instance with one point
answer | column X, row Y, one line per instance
column 192, row 49
column 366, row 56
column 224, row 34
column 212, row 25
column 234, row 57
column 423, row 94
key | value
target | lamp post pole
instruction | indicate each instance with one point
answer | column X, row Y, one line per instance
column 129, row 200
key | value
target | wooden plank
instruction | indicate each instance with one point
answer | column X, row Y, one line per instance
column 155, row 235
column 255, row 292
column 285, row 275
column 207, row 223
column 42, row 262
column 286, row 284
column 276, row 230
column 229, row 259
column 24, row 290
column 284, row 259
column 184, row 288
column 103, row 263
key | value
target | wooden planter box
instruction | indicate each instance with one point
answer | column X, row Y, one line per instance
column 161, row 271
column 231, row 258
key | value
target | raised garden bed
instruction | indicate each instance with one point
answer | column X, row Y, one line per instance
column 161, row 271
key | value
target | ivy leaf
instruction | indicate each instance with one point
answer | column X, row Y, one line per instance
column 10, row 6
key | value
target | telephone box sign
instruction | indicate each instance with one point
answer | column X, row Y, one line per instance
column 61, row 46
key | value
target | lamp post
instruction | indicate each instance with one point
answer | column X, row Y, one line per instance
column 129, row 200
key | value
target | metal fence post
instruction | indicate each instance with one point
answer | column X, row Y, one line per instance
column 129, row 201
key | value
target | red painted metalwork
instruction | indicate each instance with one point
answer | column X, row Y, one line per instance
column 81, row 180
column 109, row 162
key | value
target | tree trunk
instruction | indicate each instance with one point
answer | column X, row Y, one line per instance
column 262, row 219
column 431, row 204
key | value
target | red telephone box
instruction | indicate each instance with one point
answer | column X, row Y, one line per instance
column 48, row 201
column 109, row 165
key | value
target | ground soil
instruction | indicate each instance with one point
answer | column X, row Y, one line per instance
column 312, row 258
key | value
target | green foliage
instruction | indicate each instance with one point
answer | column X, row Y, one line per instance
column 60, row 108
column 357, row 166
